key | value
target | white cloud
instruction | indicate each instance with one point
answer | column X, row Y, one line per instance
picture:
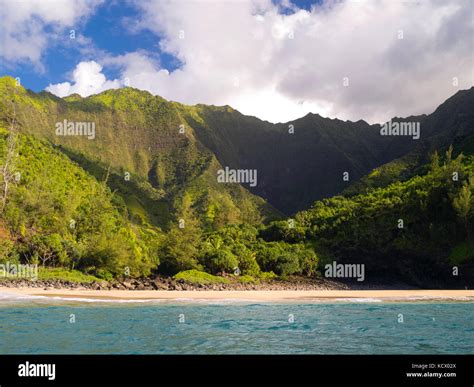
column 88, row 79
column 249, row 55
column 28, row 26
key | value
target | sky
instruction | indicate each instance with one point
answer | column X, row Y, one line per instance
column 277, row 60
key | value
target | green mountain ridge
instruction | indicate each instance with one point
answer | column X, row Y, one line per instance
column 452, row 123
column 296, row 169
column 153, row 164
column 137, row 135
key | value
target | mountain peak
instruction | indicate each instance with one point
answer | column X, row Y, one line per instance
column 73, row 97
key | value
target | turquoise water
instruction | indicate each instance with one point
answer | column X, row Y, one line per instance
column 237, row 328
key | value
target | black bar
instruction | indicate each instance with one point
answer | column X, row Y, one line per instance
column 318, row 370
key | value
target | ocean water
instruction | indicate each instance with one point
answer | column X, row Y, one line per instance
column 44, row 326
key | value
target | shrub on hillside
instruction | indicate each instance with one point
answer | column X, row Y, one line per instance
column 218, row 261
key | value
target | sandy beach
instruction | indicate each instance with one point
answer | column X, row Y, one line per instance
column 254, row 295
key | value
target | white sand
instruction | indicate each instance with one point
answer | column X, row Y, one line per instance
column 254, row 295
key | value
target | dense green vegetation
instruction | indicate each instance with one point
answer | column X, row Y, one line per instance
column 142, row 197
column 416, row 230
column 199, row 277
column 65, row 275
column 57, row 215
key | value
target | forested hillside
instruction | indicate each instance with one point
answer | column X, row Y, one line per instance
column 420, row 230
column 140, row 195
column 55, row 214
column 148, row 151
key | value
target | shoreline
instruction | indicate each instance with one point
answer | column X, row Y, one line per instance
column 245, row 295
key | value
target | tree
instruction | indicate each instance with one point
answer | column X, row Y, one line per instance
column 247, row 262
column 180, row 249
column 434, row 162
column 449, row 155
column 7, row 171
column 286, row 264
column 47, row 248
column 220, row 261
column 463, row 203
